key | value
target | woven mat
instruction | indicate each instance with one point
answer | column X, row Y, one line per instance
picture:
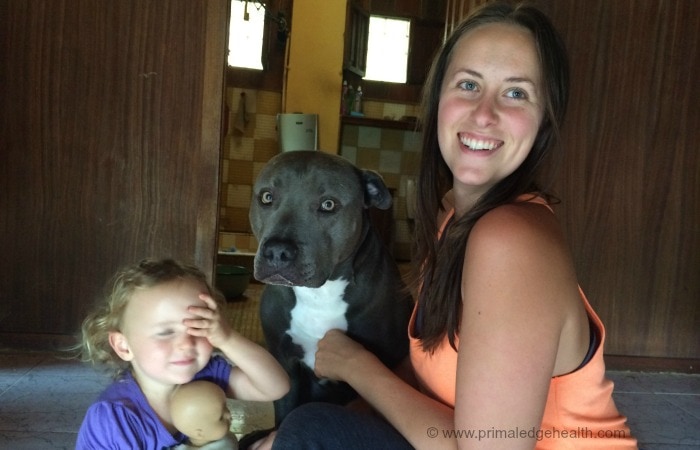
column 244, row 316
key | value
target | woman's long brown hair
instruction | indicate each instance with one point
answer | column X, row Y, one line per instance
column 438, row 271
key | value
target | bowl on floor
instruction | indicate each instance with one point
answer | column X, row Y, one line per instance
column 232, row 280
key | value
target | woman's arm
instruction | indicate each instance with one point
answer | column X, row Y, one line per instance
column 519, row 293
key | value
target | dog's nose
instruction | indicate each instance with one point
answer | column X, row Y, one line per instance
column 279, row 253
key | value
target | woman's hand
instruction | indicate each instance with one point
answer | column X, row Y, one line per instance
column 408, row 410
column 337, row 353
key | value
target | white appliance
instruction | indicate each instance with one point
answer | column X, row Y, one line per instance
column 297, row 131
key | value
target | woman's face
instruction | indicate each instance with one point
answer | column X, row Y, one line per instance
column 491, row 106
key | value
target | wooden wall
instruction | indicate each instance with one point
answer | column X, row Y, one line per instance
column 631, row 176
column 110, row 128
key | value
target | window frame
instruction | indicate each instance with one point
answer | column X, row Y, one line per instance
column 264, row 35
column 408, row 47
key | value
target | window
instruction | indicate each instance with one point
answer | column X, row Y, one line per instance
column 245, row 40
column 387, row 49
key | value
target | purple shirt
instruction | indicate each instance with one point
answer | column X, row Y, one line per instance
column 121, row 418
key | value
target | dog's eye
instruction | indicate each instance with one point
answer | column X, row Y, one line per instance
column 327, row 205
column 266, row 198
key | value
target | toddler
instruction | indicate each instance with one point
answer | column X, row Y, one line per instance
column 158, row 327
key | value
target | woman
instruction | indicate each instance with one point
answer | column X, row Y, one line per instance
column 505, row 349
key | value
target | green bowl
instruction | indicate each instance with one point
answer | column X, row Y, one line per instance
column 231, row 280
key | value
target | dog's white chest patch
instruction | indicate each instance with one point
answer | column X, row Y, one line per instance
column 317, row 310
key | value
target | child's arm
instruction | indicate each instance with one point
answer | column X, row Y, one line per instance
column 256, row 374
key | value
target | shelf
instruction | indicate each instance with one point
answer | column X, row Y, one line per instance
column 380, row 123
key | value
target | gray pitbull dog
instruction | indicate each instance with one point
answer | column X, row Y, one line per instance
column 325, row 267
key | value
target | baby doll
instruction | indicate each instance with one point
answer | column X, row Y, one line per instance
column 199, row 411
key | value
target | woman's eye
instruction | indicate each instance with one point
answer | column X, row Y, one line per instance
column 468, row 85
column 266, row 198
column 327, row 205
column 517, row 94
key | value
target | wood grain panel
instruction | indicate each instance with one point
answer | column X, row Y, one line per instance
column 105, row 159
column 630, row 190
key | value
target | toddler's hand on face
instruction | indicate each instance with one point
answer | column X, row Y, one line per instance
column 208, row 322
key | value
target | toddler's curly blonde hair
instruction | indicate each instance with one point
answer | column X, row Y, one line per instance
column 107, row 315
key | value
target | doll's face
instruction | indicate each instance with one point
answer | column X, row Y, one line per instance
column 211, row 424
column 199, row 411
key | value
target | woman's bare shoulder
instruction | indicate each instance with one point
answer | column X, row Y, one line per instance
column 525, row 223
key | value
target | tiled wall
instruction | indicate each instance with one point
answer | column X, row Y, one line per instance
column 393, row 153
column 245, row 153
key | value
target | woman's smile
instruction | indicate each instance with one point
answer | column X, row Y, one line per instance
column 479, row 144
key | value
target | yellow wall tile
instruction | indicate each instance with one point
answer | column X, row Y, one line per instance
column 367, row 159
column 269, row 103
column 349, row 136
column 266, row 126
column 392, row 139
column 241, row 172
column 265, row 149
column 238, row 196
column 374, row 110
column 241, row 148
column 394, row 111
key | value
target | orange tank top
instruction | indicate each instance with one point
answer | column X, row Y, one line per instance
column 579, row 412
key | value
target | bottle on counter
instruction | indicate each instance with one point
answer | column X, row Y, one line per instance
column 357, row 103
column 349, row 100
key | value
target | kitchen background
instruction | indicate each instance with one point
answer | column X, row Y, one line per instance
column 385, row 139
column 391, row 152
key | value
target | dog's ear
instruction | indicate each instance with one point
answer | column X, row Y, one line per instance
column 376, row 192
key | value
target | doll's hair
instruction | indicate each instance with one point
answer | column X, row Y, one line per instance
column 108, row 313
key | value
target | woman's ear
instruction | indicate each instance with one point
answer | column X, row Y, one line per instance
column 120, row 345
